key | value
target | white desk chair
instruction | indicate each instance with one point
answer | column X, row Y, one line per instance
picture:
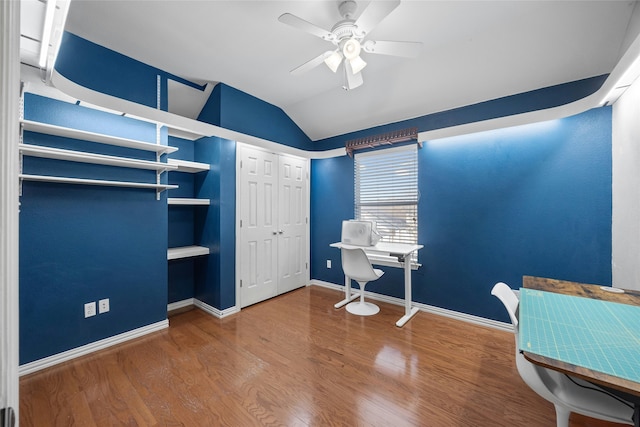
column 561, row 390
column 356, row 266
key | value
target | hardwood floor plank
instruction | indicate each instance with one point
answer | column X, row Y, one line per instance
column 59, row 402
column 295, row 361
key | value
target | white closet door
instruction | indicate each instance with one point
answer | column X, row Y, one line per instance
column 259, row 227
column 273, row 236
column 292, row 240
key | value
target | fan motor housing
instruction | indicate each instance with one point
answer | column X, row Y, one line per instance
column 345, row 30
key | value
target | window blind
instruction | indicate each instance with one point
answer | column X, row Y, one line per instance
column 386, row 191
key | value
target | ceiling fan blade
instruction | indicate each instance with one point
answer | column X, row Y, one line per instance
column 301, row 24
column 373, row 15
column 352, row 80
column 404, row 49
column 312, row 63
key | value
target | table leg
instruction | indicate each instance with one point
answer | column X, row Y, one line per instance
column 409, row 311
column 347, row 293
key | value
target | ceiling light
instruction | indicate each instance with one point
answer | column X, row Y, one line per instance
column 46, row 33
column 352, row 80
column 357, row 64
column 334, row 60
column 351, row 51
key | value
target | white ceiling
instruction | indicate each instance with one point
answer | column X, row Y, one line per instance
column 473, row 51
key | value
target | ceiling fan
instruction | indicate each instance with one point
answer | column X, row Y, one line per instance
column 348, row 35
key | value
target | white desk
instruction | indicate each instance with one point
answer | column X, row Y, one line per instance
column 382, row 254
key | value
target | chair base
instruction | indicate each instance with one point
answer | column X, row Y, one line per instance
column 362, row 308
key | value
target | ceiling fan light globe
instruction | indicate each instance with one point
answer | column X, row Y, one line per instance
column 351, row 49
column 333, row 61
column 357, row 64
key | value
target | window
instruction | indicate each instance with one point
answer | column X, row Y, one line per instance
column 386, row 191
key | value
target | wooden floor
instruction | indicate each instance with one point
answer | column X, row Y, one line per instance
column 294, row 361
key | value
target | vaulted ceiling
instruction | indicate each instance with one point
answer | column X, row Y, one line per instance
column 472, row 51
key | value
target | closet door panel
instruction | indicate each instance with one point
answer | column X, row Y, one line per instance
column 259, row 249
column 293, row 223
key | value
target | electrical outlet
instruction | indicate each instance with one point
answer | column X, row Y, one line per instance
column 328, row 263
column 103, row 305
column 90, row 309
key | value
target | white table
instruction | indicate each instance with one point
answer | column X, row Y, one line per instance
column 383, row 254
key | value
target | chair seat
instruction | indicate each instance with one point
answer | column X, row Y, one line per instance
column 356, row 266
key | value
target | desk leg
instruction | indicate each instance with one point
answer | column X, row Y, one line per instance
column 409, row 311
column 347, row 293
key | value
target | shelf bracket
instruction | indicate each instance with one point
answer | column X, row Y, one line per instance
column 158, row 155
column 20, row 172
column 158, row 136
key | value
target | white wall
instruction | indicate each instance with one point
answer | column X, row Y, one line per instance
column 626, row 189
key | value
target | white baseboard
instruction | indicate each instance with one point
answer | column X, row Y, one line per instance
column 214, row 311
column 425, row 307
column 329, row 285
column 181, row 304
column 65, row 356
column 202, row 306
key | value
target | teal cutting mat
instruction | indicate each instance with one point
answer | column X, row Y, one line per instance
column 600, row 335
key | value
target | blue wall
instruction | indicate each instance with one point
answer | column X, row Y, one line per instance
column 107, row 71
column 230, row 108
column 332, row 201
column 83, row 243
column 215, row 275
column 529, row 200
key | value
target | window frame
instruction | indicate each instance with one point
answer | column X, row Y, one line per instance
column 405, row 191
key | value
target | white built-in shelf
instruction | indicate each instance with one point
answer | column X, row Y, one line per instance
column 186, row 252
column 187, row 166
column 84, row 181
column 84, row 157
column 187, row 201
column 49, row 129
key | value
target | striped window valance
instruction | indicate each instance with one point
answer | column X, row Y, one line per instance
column 388, row 138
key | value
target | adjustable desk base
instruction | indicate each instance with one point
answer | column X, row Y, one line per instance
column 346, row 300
column 404, row 319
